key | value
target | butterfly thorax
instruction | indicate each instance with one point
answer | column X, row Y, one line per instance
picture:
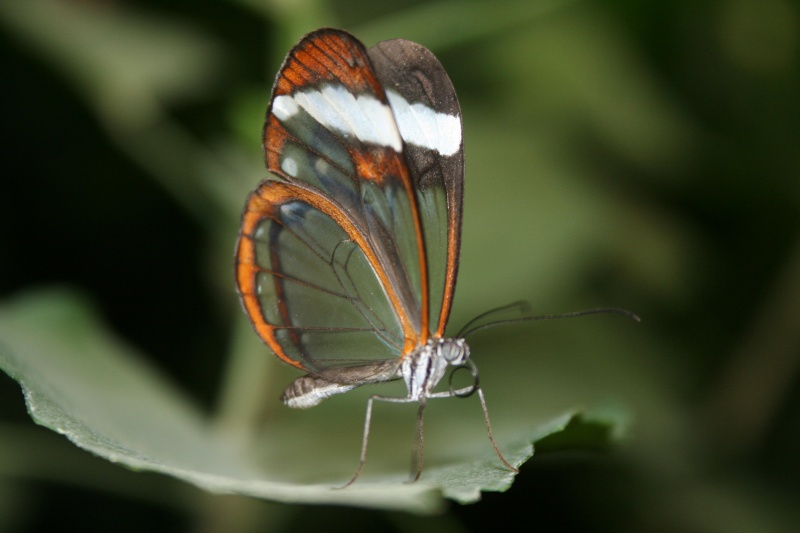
column 426, row 366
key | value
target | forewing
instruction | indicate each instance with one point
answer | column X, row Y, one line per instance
column 426, row 109
column 330, row 260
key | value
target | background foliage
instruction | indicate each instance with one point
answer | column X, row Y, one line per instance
column 637, row 154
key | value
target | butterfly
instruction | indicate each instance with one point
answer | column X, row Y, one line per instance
column 348, row 254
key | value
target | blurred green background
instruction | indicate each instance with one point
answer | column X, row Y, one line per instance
column 619, row 153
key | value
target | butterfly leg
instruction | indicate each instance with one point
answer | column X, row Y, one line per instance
column 419, row 456
column 489, row 432
column 365, row 438
column 467, row 391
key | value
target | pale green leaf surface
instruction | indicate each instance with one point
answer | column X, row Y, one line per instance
column 82, row 382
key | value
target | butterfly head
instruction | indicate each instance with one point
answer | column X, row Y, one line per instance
column 427, row 365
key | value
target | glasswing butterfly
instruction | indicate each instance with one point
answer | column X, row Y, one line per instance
column 347, row 256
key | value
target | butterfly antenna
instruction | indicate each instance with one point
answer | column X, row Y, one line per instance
column 519, row 308
column 469, row 329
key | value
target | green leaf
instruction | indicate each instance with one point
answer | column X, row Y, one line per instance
column 82, row 382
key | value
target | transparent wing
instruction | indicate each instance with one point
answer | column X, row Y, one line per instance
column 331, row 259
column 307, row 283
column 429, row 118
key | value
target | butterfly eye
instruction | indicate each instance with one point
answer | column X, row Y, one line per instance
column 454, row 351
